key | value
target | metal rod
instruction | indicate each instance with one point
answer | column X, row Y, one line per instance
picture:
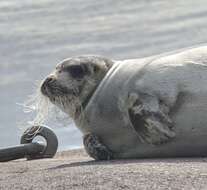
column 21, row 151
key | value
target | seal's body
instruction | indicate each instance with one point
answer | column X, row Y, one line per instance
column 151, row 107
column 174, row 84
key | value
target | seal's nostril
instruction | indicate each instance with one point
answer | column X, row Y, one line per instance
column 43, row 88
column 46, row 84
column 49, row 80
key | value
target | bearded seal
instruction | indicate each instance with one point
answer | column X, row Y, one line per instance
column 136, row 108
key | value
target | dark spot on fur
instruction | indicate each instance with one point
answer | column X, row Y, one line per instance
column 138, row 122
column 181, row 99
column 148, row 124
column 76, row 71
column 95, row 68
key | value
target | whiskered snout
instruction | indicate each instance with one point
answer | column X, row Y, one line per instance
column 47, row 85
column 52, row 87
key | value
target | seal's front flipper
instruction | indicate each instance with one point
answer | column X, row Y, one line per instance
column 95, row 148
column 151, row 124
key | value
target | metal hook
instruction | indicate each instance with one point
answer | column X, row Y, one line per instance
column 32, row 150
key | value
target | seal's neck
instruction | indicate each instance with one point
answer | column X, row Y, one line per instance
column 87, row 98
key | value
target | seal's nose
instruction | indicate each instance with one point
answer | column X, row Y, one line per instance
column 46, row 85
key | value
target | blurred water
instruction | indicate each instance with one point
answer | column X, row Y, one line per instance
column 35, row 35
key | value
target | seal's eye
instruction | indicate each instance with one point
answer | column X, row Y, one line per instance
column 76, row 71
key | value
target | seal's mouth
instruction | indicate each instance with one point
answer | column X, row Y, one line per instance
column 61, row 96
column 52, row 88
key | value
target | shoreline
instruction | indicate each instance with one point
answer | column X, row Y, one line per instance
column 73, row 169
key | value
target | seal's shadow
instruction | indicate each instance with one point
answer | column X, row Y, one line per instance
column 130, row 161
column 89, row 163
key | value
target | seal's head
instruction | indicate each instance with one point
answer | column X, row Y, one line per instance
column 73, row 82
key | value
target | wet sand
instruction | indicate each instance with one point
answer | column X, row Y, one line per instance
column 75, row 170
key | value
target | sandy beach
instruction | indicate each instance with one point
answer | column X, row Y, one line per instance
column 75, row 170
